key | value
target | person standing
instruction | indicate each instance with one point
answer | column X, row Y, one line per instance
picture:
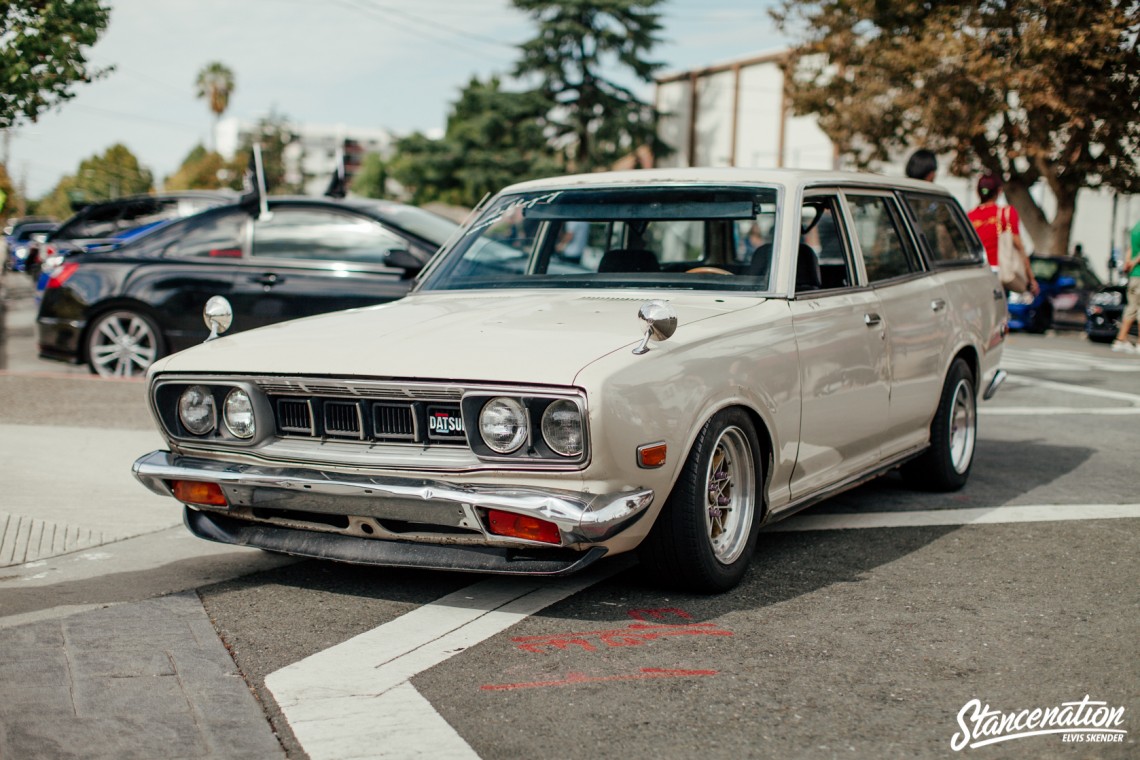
column 1130, row 267
column 922, row 164
column 989, row 219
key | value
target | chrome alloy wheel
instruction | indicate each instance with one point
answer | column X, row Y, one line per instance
column 963, row 426
column 730, row 494
column 122, row 344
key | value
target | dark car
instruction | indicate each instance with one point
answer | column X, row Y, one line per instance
column 120, row 310
column 1066, row 283
column 19, row 241
column 1105, row 310
column 106, row 224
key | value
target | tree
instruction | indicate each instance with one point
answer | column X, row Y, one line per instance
column 1034, row 90
column 112, row 175
column 205, row 170
column 372, row 179
column 494, row 137
column 599, row 119
column 275, row 134
column 215, row 84
column 43, row 53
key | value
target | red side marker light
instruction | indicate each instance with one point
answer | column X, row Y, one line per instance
column 521, row 526
column 195, row 492
column 651, row 455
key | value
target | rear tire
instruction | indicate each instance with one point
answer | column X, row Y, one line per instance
column 945, row 466
column 123, row 343
column 705, row 536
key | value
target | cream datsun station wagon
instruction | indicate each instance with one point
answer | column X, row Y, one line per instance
column 660, row 361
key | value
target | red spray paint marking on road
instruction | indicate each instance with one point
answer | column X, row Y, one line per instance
column 573, row 679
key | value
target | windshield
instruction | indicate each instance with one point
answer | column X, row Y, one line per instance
column 693, row 238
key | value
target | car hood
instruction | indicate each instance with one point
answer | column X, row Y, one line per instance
column 508, row 336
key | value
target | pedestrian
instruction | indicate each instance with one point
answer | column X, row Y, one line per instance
column 922, row 164
column 575, row 235
column 1131, row 268
column 989, row 219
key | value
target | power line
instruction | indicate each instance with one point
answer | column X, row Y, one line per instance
column 375, row 13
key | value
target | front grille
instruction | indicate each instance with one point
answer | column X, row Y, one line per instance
column 342, row 419
column 375, row 420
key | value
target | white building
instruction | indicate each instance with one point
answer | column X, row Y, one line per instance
column 313, row 155
column 735, row 114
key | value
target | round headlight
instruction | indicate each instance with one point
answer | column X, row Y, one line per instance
column 562, row 428
column 238, row 414
column 503, row 425
column 196, row 410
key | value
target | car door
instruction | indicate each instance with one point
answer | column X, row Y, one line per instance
column 914, row 308
column 185, row 264
column 842, row 351
column 307, row 260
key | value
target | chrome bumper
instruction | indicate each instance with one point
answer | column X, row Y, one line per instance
column 580, row 517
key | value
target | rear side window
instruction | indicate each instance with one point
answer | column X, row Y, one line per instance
column 318, row 235
column 885, row 254
column 218, row 236
column 948, row 235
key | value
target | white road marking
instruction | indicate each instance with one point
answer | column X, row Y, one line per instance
column 1015, row 358
column 975, row 516
column 355, row 700
column 1068, row 388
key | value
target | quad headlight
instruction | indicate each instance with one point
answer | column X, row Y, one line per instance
column 503, row 425
column 238, row 414
column 562, row 428
column 197, row 411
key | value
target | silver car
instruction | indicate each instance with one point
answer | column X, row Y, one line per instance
column 721, row 349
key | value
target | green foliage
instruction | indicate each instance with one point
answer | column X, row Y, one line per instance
column 372, row 178
column 11, row 200
column 1038, row 90
column 112, row 175
column 43, row 53
column 494, row 138
column 205, row 170
column 600, row 119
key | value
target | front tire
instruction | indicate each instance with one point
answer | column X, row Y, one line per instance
column 945, row 466
column 123, row 343
column 705, row 536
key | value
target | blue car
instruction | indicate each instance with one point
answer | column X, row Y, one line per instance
column 1066, row 284
column 19, row 240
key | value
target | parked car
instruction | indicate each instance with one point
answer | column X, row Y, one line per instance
column 22, row 236
column 107, row 224
column 1065, row 285
column 120, row 310
column 1104, row 312
column 512, row 415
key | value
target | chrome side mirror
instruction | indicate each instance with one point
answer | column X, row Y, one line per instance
column 660, row 323
column 219, row 315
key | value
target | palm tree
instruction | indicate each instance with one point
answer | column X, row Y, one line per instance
column 215, row 84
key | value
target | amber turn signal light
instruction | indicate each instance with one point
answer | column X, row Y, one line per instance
column 195, row 492
column 521, row 526
column 651, row 455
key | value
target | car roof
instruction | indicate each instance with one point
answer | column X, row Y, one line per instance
column 722, row 176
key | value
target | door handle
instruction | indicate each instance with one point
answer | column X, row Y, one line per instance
column 267, row 280
column 937, row 304
column 871, row 319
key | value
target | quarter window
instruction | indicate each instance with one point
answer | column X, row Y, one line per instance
column 217, row 236
column 940, row 222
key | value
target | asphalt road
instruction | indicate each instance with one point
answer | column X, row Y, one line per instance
column 864, row 628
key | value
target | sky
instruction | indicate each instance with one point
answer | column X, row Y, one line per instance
column 387, row 64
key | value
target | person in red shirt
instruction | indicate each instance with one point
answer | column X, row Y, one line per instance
column 988, row 219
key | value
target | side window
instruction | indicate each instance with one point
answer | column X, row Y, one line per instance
column 217, row 236
column 940, row 222
column 885, row 255
column 318, row 235
column 821, row 260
